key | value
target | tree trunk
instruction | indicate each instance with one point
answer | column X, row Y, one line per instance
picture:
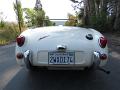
column 97, row 4
column 103, row 5
column 117, row 20
column 86, row 10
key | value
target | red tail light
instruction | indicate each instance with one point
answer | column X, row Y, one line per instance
column 19, row 55
column 103, row 42
column 20, row 40
column 103, row 56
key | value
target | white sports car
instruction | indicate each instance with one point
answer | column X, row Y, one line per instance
column 57, row 47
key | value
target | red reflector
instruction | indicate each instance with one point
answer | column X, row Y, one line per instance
column 103, row 42
column 20, row 40
column 103, row 56
column 19, row 55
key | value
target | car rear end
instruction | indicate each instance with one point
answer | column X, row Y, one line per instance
column 62, row 49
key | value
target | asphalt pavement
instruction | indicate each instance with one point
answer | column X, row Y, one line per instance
column 14, row 77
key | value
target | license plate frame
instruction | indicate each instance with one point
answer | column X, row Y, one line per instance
column 61, row 58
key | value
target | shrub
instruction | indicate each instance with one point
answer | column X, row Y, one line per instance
column 9, row 32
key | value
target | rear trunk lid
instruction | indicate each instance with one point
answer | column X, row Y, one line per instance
column 72, row 37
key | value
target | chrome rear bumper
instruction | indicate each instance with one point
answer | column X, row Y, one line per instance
column 28, row 58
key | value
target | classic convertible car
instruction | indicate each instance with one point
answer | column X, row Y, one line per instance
column 58, row 47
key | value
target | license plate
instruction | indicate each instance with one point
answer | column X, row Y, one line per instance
column 61, row 57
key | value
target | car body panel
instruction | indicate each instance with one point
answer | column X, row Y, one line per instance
column 42, row 40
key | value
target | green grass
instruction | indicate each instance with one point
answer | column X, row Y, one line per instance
column 8, row 33
column 3, row 42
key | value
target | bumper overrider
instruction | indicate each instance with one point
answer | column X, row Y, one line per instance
column 100, row 59
column 28, row 59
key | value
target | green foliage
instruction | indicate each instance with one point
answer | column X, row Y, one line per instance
column 53, row 23
column 99, row 22
column 98, row 14
column 72, row 20
column 19, row 13
column 36, row 18
column 8, row 33
column 30, row 16
column 2, row 24
column 40, row 16
column 80, row 14
column 47, row 22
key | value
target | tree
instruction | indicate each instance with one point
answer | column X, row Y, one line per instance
column 2, row 22
column 100, row 14
column 19, row 13
column 117, row 20
column 36, row 16
column 47, row 22
column 72, row 20
column 40, row 16
column 30, row 17
column 38, row 5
